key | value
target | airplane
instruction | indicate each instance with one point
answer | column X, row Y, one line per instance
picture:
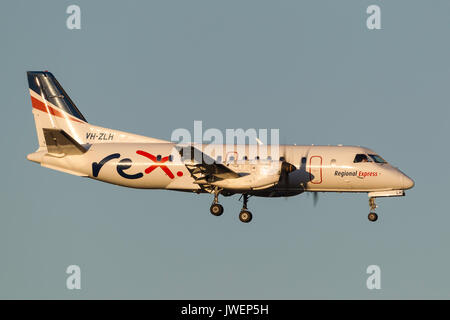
column 68, row 143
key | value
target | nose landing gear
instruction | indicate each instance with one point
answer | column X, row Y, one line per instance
column 372, row 215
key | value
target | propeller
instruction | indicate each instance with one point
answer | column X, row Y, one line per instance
column 315, row 198
column 286, row 167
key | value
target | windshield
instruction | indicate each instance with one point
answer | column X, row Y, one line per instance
column 361, row 157
column 377, row 158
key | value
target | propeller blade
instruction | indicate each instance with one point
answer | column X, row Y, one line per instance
column 315, row 198
column 286, row 167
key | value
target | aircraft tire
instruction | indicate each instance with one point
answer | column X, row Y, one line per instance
column 216, row 209
column 245, row 216
column 373, row 217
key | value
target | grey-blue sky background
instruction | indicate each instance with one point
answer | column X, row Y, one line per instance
column 310, row 68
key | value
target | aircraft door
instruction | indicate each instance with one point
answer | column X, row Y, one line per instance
column 315, row 169
column 231, row 158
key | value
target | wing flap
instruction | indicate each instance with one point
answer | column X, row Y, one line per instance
column 203, row 168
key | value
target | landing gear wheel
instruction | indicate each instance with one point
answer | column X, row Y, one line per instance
column 245, row 216
column 373, row 217
column 216, row 209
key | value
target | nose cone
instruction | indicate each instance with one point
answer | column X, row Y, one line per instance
column 407, row 182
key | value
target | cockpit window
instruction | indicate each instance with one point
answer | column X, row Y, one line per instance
column 377, row 158
column 361, row 157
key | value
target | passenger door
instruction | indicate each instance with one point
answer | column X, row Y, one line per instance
column 315, row 169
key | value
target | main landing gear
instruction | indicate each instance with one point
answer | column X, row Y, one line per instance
column 216, row 208
column 245, row 215
column 372, row 215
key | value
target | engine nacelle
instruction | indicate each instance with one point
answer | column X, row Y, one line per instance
column 262, row 176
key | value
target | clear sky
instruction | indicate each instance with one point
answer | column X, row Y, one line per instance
column 310, row 68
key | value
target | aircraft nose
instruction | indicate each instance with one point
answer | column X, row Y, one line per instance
column 407, row 182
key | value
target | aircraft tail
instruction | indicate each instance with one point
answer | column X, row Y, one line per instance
column 53, row 108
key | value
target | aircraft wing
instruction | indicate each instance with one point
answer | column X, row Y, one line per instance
column 209, row 175
column 203, row 168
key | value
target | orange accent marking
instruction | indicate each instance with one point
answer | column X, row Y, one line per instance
column 39, row 105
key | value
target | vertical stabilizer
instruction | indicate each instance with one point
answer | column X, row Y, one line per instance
column 53, row 108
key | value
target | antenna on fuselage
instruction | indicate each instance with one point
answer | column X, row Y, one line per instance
column 259, row 141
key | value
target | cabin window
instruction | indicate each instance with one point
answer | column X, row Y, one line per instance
column 269, row 158
column 257, row 158
column 377, row 158
column 158, row 158
column 282, row 159
column 245, row 158
column 361, row 157
column 171, row 158
column 219, row 159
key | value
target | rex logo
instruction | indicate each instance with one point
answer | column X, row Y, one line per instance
column 127, row 163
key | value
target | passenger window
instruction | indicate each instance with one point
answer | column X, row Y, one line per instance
column 219, row 159
column 361, row 157
column 231, row 157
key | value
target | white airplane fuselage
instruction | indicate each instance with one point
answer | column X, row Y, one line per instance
column 319, row 168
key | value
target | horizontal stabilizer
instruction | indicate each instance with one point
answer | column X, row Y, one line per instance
column 59, row 142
